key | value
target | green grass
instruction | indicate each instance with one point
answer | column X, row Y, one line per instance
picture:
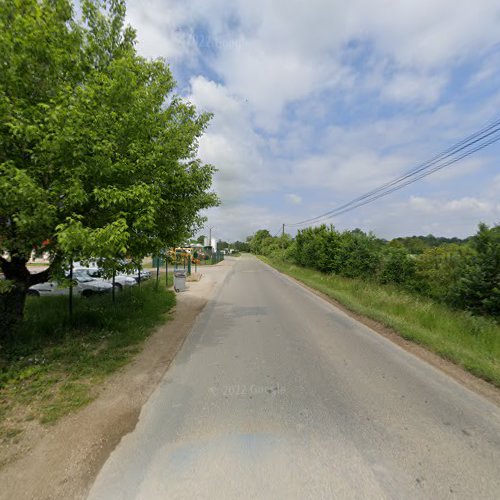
column 55, row 365
column 469, row 341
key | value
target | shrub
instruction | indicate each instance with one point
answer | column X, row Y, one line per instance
column 397, row 266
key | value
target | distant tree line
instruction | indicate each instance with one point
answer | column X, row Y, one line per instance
column 464, row 274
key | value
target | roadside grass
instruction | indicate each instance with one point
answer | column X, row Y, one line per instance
column 472, row 342
column 55, row 366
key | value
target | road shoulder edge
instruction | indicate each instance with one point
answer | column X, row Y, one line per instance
column 456, row 372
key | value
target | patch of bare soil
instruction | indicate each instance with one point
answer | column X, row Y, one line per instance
column 61, row 461
column 458, row 373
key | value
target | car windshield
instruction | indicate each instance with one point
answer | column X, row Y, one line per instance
column 82, row 275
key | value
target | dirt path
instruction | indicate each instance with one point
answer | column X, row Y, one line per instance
column 63, row 460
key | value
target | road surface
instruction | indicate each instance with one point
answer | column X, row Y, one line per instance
column 276, row 394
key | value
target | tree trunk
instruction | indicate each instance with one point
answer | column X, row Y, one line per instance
column 12, row 302
column 11, row 311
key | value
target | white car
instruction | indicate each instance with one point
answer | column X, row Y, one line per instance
column 121, row 280
column 85, row 286
column 145, row 275
column 93, row 266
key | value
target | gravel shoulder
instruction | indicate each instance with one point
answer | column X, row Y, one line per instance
column 63, row 460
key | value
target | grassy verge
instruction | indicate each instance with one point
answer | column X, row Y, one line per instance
column 55, row 366
column 471, row 342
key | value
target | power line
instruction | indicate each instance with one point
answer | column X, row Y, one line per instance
column 471, row 144
column 469, row 141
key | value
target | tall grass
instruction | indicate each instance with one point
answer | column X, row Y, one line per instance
column 54, row 365
column 472, row 342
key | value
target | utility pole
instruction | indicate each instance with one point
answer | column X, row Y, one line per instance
column 210, row 235
column 283, row 230
column 210, row 241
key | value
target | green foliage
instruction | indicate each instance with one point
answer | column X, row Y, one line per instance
column 260, row 240
column 418, row 244
column 479, row 288
column 350, row 253
column 241, row 246
column 397, row 266
column 465, row 275
column 359, row 254
column 440, row 269
column 98, row 157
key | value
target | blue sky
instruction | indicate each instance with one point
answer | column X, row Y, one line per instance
column 318, row 102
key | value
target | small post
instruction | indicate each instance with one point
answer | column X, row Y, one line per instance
column 139, row 277
column 166, row 269
column 189, row 266
column 71, row 291
column 157, row 270
column 114, row 282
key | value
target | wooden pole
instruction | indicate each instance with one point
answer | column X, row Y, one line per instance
column 71, row 291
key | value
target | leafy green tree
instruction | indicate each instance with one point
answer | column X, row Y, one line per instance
column 257, row 242
column 439, row 270
column 397, row 266
column 416, row 245
column 98, row 157
column 358, row 255
column 241, row 246
column 479, row 288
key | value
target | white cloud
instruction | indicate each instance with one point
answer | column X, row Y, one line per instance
column 412, row 87
column 230, row 142
column 467, row 205
column 300, row 92
column 294, row 198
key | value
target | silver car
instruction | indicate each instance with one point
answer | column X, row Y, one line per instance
column 121, row 280
column 85, row 286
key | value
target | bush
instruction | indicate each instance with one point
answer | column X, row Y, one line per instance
column 479, row 288
column 359, row 255
column 464, row 275
column 397, row 266
column 439, row 271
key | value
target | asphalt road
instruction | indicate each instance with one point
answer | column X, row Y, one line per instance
column 276, row 394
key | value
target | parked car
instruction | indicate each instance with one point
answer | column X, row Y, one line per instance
column 133, row 273
column 121, row 280
column 85, row 286
column 145, row 275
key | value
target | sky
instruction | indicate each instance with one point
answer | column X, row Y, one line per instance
column 317, row 102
